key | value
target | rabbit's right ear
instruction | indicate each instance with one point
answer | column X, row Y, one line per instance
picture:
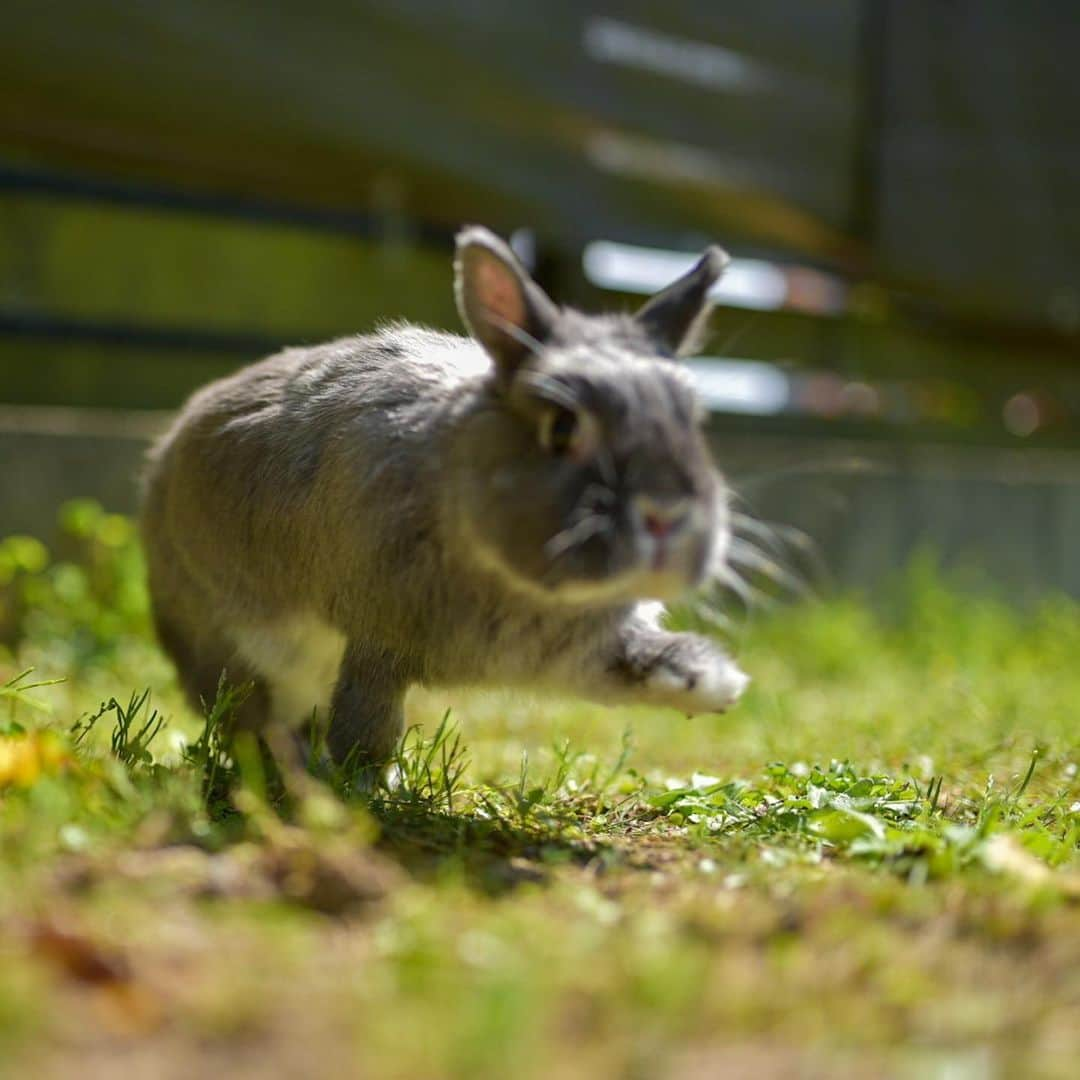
column 675, row 317
column 501, row 306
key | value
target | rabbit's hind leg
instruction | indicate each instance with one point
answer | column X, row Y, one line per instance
column 204, row 654
column 206, row 662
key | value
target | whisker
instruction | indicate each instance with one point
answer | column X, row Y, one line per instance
column 547, row 387
column 782, row 540
column 808, row 548
column 795, row 537
column 749, row 596
column 522, row 337
column 712, row 617
column 750, row 558
column 763, row 530
column 577, row 534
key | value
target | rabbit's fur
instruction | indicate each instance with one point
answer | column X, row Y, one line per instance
column 337, row 523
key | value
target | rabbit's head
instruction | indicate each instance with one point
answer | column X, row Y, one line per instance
column 581, row 473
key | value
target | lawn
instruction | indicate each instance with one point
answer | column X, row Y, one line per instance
column 869, row 868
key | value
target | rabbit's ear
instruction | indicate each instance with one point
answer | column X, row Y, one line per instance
column 675, row 316
column 501, row 306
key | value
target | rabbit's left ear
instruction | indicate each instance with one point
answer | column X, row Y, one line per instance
column 502, row 307
column 675, row 317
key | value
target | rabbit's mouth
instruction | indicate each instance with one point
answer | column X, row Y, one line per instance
column 644, row 563
column 670, row 567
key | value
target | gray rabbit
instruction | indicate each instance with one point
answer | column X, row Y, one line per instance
column 337, row 523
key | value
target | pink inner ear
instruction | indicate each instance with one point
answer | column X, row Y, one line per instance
column 499, row 293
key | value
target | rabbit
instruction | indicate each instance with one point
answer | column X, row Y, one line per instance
column 337, row 523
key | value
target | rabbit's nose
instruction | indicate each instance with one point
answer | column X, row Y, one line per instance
column 661, row 517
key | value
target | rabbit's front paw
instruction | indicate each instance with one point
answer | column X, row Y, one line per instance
column 696, row 681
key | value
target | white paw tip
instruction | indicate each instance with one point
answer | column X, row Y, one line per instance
column 711, row 688
column 723, row 685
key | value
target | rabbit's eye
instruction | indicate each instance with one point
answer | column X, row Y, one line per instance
column 557, row 431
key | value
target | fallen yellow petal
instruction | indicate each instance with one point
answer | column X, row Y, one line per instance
column 23, row 758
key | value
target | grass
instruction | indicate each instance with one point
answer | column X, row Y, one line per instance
column 870, row 868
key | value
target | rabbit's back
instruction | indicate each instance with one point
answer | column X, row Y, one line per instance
column 374, row 389
column 290, row 478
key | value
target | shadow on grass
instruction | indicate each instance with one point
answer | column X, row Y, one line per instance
column 492, row 856
column 494, row 836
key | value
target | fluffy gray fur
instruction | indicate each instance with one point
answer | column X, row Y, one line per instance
column 337, row 523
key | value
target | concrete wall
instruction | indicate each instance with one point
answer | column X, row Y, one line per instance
column 1013, row 516
column 49, row 455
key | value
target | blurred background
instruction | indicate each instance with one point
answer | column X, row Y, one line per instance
column 894, row 362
